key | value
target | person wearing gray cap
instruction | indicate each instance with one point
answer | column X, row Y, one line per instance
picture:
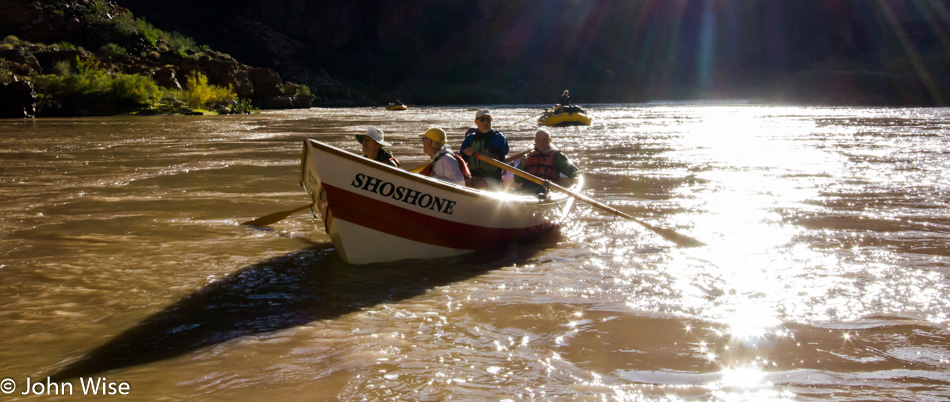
column 373, row 144
column 484, row 141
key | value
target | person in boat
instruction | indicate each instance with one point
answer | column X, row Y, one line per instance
column 565, row 98
column 544, row 161
column 485, row 141
column 373, row 144
column 446, row 165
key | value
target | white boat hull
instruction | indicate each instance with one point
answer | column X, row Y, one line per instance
column 377, row 213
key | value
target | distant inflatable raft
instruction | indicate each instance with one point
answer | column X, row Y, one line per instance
column 565, row 116
column 396, row 107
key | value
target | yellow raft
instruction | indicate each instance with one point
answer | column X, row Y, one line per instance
column 565, row 116
column 396, row 107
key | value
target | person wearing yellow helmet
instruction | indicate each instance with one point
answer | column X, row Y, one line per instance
column 446, row 165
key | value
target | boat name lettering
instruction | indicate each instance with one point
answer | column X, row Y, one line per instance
column 400, row 193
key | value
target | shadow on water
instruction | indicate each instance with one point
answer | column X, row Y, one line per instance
column 283, row 292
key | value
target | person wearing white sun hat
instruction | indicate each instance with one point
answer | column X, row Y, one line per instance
column 373, row 144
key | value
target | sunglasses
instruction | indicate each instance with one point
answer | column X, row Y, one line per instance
column 484, row 119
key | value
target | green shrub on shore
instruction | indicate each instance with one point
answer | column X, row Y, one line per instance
column 135, row 89
column 11, row 40
column 65, row 46
column 92, row 85
column 198, row 94
column 112, row 50
column 179, row 43
column 125, row 24
column 98, row 13
column 87, row 84
column 62, row 68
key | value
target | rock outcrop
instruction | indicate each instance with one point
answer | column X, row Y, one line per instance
column 17, row 99
column 62, row 24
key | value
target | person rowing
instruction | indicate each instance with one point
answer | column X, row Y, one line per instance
column 546, row 162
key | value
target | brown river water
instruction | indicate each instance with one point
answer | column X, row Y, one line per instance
column 826, row 274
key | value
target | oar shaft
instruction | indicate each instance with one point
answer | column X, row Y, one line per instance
column 515, row 157
column 511, row 158
column 529, row 118
column 666, row 233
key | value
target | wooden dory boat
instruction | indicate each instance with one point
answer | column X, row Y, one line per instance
column 376, row 213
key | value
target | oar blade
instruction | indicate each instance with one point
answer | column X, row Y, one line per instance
column 678, row 238
column 275, row 217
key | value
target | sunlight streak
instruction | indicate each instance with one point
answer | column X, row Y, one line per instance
column 923, row 74
column 706, row 51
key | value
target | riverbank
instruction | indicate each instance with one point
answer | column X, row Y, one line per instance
column 84, row 58
column 345, row 54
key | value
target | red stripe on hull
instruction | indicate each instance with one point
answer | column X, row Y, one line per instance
column 408, row 224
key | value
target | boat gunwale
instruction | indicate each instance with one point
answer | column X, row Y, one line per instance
column 555, row 197
column 567, row 121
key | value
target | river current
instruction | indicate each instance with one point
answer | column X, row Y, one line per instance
column 825, row 276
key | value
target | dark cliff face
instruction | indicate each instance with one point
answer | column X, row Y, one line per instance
column 486, row 51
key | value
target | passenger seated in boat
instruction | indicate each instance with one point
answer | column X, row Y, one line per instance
column 446, row 165
column 546, row 162
column 558, row 109
column 565, row 98
column 485, row 141
column 373, row 144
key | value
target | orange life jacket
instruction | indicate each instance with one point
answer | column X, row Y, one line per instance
column 541, row 164
column 463, row 167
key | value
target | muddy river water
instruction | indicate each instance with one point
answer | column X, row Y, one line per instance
column 826, row 274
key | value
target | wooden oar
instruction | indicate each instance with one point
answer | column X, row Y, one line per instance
column 529, row 118
column 510, row 159
column 515, row 157
column 275, row 217
column 679, row 239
